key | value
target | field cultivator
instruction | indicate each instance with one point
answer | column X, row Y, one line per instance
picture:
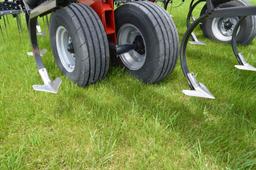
column 139, row 34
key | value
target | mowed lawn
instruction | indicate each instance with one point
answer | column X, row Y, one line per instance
column 121, row 123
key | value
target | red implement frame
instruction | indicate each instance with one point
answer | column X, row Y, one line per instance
column 105, row 10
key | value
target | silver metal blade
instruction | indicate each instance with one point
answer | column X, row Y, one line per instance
column 48, row 86
column 195, row 40
column 200, row 90
column 245, row 66
column 52, row 87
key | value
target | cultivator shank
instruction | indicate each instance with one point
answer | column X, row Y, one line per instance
column 242, row 63
column 198, row 89
column 191, row 18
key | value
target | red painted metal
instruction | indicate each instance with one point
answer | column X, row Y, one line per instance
column 105, row 10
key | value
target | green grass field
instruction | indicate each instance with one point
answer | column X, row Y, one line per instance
column 121, row 123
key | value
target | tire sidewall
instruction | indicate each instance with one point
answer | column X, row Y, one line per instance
column 141, row 21
column 61, row 18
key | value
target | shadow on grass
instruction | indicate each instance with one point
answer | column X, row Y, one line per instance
column 223, row 130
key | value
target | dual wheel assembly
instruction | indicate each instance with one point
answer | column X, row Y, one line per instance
column 145, row 39
column 81, row 47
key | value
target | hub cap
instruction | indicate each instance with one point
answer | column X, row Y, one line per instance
column 222, row 28
column 65, row 49
column 134, row 59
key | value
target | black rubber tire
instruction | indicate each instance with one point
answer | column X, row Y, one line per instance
column 248, row 28
column 89, row 41
column 160, row 35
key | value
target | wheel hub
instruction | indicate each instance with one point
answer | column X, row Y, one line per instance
column 134, row 59
column 70, row 47
column 222, row 28
column 227, row 26
column 139, row 45
column 65, row 49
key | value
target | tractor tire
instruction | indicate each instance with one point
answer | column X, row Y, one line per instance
column 153, row 30
column 79, row 44
column 220, row 29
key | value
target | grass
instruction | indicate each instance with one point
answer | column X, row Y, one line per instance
column 121, row 123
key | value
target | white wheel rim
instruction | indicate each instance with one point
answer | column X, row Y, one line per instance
column 66, row 57
column 222, row 28
column 133, row 59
